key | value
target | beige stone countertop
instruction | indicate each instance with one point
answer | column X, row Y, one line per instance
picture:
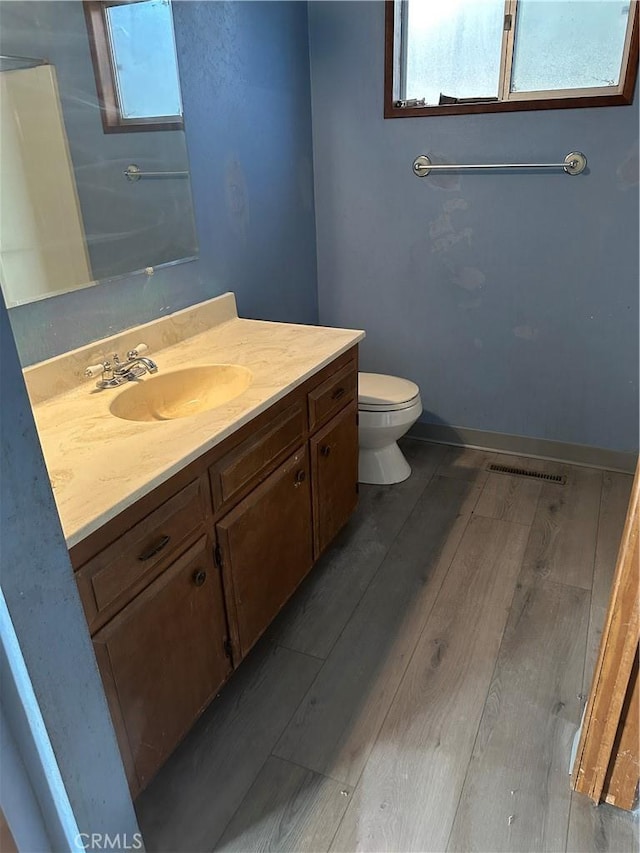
column 100, row 464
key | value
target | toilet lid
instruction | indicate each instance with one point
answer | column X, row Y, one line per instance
column 377, row 391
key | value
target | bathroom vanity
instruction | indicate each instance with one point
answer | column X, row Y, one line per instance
column 195, row 531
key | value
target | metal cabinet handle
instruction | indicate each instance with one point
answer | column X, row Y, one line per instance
column 154, row 549
column 325, row 450
column 301, row 476
column 199, row 577
column 339, row 392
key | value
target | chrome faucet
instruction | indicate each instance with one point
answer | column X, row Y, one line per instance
column 115, row 373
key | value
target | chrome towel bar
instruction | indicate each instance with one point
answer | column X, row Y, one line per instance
column 134, row 173
column 11, row 57
column 573, row 164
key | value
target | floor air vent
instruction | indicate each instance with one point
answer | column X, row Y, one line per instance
column 522, row 472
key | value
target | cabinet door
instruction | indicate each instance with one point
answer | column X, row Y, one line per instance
column 266, row 547
column 334, row 459
column 165, row 656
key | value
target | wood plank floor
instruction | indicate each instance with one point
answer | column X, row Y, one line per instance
column 422, row 689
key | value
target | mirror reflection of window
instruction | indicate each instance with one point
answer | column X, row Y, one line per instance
column 138, row 87
column 147, row 81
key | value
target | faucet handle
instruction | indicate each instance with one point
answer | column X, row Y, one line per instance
column 137, row 350
column 96, row 369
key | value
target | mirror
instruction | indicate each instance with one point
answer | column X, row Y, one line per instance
column 94, row 173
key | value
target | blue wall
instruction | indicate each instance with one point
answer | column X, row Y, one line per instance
column 244, row 70
column 43, row 602
column 512, row 299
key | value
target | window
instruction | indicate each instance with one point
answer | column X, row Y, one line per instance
column 469, row 56
column 134, row 59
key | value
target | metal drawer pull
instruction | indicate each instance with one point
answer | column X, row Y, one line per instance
column 301, row 476
column 199, row 577
column 154, row 549
column 325, row 450
column 339, row 392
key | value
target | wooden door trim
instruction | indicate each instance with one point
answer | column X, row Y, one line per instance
column 622, row 775
column 592, row 771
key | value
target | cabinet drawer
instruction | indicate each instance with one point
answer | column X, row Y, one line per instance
column 258, row 455
column 109, row 580
column 329, row 397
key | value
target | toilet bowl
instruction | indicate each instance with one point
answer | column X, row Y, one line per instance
column 387, row 407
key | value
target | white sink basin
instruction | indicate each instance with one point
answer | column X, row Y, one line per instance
column 181, row 393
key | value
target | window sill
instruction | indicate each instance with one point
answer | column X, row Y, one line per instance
column 617, row 100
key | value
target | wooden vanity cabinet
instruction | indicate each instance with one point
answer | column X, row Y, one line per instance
column 178, row 587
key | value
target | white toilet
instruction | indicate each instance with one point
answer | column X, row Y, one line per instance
column 387, row 407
